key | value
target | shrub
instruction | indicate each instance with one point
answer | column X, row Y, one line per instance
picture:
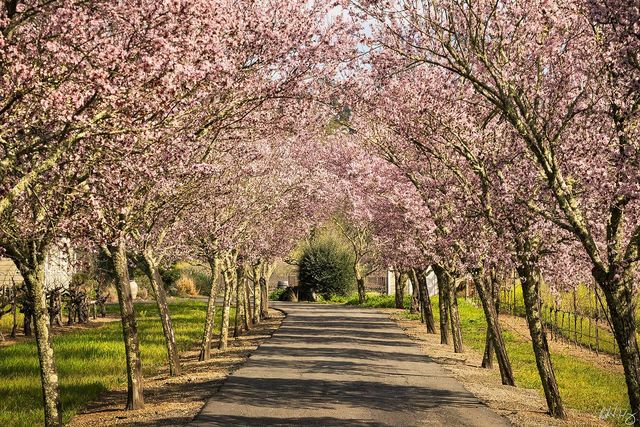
column 201, row 277
column 186, row 287
column 326, row 268
column 170, row 276
column 276, row 294
column 143, row 293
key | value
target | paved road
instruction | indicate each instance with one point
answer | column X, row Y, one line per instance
column 332, row 365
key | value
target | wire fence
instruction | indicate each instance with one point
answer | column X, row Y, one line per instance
column 572, row 327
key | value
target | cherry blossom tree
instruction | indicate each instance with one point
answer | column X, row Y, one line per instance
column 542, row 69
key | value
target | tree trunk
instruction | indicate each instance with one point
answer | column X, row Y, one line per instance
column 620, row 301
column 531, row 293
column 209, row 322
column 26, row 325
column 447, row 284
column 118, row 258
column 487, row 357
column 443, row 307
column 70, row 312
column 55, row 307
column 33, row 275
column 456, row 330
column 362, row 294
column 14, row 313
column 401, row 283
column 425, row 301
column 229, row 276
column 264, row 298
column 257, row 294
column 239, row 321
column 248, row 321
column 415, row 299
column 264, row 286
column 495, row 341
column 151, row 269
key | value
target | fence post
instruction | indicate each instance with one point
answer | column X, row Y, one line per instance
column 597, row 332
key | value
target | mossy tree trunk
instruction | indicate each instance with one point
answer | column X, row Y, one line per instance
column 362, row 291
column 420, row 278
column 267, row 271
column 446, row 281
column 621, row 303
column 246, row 308
column 230, row 278
column 485, row 287
column 443, row 308
column 150, row 265
column 257, row 293
column 209, row 322
column 454, row 313
column 401, row 284
column 32, row 268
column 264, row 298
column 530, row 281
column 238, row 325
column 415, row 297
column 118, row 257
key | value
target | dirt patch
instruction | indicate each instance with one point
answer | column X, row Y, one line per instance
column 523, row 407
column 59, row 330
column 175, row 401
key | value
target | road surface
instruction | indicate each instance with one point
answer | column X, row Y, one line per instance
column 332, row 365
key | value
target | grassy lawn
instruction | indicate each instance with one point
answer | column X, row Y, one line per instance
column 90, row 361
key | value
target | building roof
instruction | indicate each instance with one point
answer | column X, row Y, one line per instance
column 9, row 274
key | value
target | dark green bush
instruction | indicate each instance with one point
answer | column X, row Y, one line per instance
column 276, row 294
column 326, row 268
column 169, row 276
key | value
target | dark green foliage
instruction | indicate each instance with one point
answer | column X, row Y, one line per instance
column 169, row 276
column 276, row 294
column 326, row 268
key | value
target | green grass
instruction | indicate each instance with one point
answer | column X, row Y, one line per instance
column 6, row 323
column 583, row 385
column 377, row 300
column 90, row 361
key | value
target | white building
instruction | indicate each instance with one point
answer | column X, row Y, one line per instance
column 58, row 271
column 432, row 283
